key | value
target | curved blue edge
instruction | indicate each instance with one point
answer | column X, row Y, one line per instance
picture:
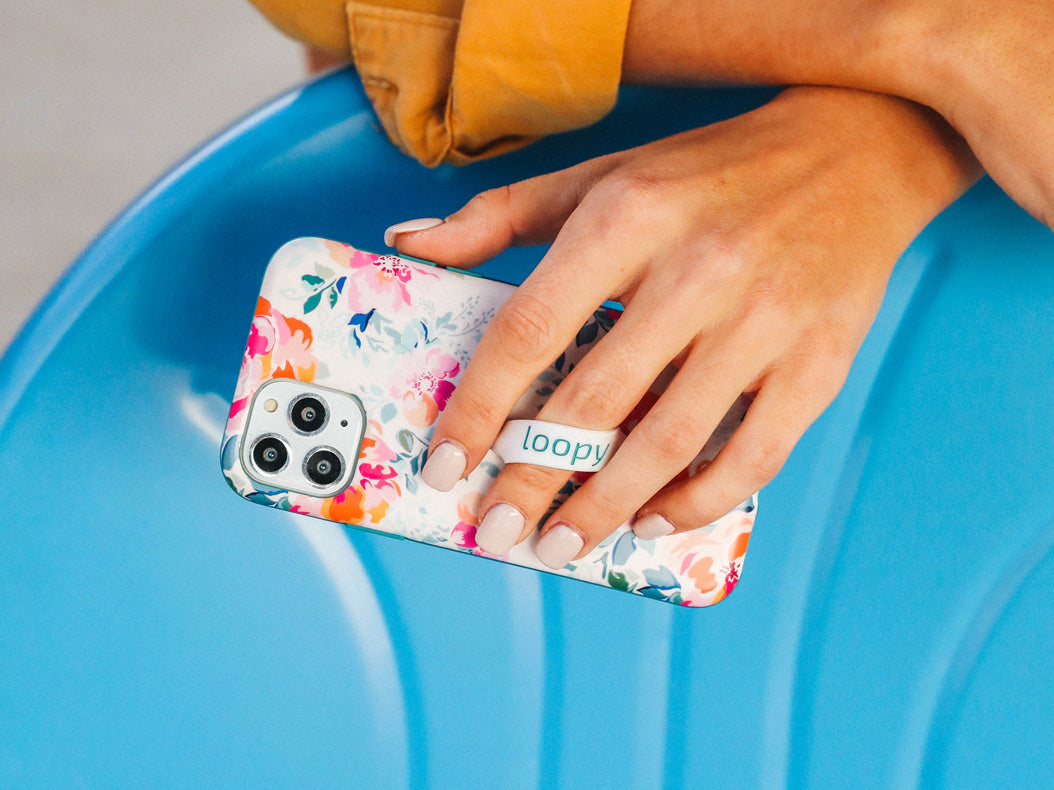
column 89, row 273
column 155, row 629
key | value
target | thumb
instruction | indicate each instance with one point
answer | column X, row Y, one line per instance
column 521, row 214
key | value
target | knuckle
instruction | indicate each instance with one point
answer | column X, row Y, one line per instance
column 765, row 460
column 491, row 200
column 526, row 327
column 840, row 345
column 632, row 186
column 706, row 511
column 828, row 359
column 636, row 198
column 601, row 509
column 590, row 396
column 775, row 304
column 471, row 412
column 727, row 263
column 493, row 209
column 673, row 437
column 828, row 382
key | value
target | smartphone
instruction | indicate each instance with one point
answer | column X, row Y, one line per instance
column 350, row 359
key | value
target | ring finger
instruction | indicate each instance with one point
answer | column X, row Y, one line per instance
column 662, row 445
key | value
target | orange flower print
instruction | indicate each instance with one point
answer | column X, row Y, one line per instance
column 280, row 345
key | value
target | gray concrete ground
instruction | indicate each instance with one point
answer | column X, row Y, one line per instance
column 100, row 97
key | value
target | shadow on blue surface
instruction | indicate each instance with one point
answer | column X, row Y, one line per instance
column 891, row 628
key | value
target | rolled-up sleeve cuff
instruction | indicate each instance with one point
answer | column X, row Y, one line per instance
column 456, row 89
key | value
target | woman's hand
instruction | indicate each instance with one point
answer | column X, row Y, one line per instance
column 754, row 252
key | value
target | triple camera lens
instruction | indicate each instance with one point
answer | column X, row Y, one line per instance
column 308, row 414
column 270, row 455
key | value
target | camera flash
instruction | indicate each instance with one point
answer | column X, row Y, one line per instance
column 270, row 405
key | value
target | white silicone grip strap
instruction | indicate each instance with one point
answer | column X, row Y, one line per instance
column 556, row 446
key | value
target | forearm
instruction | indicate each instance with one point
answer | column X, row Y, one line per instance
column 986, row 67
column 849, row 43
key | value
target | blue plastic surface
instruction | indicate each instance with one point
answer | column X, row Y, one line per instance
column 156, row 630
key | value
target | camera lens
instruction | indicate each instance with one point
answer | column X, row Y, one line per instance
column 308, row 414
column 323, row 467
column 270, row 454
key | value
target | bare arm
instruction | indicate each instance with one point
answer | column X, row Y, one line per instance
column 987, row 67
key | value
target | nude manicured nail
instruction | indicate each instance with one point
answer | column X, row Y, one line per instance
column 444, row 467
column 408, row 227
column 498, row 530
column 651, row 526
column 559, row 546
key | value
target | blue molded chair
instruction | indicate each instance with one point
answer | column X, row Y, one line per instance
column 893, row 624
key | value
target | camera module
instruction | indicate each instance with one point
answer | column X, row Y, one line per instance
column 270, row 454
column 302, row 437
column 308, row 414
column 323, row 466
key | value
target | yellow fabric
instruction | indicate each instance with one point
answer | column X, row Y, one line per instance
column 460, row 80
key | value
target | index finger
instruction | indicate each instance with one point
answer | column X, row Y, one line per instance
column 527, row 334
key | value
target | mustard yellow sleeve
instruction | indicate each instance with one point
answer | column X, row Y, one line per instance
column 457, row 81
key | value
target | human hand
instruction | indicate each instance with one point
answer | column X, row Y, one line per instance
column 755, row 252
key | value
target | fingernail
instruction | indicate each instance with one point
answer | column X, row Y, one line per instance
column 651, row 526
column 409, row 226
column 498, row 530
column 444, row 467
column 558, row 546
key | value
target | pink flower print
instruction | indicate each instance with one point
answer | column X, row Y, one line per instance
column 423, row 382
column 281, row 344
column 701, row 556
column 367, row 502
column 464, row 532
column 301, row 503
column 248, row 380
column 378, row 281
column 292, row 357
column 731, row 571
column 464, row 535
column 375, row 462
column 377, row 472
column 261, row 336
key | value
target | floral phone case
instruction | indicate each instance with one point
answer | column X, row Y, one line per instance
column 394, row 335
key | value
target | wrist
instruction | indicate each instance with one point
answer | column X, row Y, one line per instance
column 906, row 153
column 908, row 44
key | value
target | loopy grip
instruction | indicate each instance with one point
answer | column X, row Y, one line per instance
column 556, row 446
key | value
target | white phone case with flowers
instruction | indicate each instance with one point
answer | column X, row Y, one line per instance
column 398, row 334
